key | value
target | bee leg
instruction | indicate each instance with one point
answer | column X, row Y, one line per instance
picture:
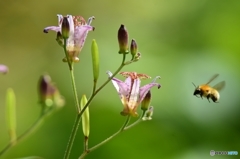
column 208, row 96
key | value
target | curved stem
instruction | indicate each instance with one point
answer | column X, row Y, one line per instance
column 106, row 140
column 79, row 115
column 136, row 122
column 124, row 127
column 30, row 130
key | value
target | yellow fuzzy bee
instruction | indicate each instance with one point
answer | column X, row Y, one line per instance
column 209, row 92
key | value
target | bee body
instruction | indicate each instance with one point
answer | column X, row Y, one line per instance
column 209, row 92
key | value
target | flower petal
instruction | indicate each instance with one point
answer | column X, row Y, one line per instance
column 80, row 34
column 134, row 94
column 3, row 69
column 60, row 18
column 123, row 87
column 53, row 28
column 113, row 82
column 144, row 90
column 90, row 20
column 71, row 25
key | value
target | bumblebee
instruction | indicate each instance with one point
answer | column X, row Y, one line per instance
column 209, row 92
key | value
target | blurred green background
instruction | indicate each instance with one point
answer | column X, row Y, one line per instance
column 182, row 41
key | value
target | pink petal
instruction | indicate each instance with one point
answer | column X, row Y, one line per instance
column 80, row 34
column 53, row 28
column 144, row 90
column 123, row 87
column 113, row 82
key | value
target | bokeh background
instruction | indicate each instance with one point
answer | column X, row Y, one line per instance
column 182, row 41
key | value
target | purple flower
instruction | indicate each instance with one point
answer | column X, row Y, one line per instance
column 76, row 29
column 130, row 92
column 3, row 69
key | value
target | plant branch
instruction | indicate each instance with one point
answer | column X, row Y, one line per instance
column 79, row 115
column 106, row 140
column 30, row 130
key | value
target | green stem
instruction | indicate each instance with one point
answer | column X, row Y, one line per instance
column 72, row 137
column 136, row 122
column 106, row 140
column 124, row 127
column 75, row 91
column 85, row 143
column 78, row 118
column 30, row 130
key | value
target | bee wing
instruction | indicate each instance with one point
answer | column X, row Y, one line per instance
column 220, row 85
column 213, row 77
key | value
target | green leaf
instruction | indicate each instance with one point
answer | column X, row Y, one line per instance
column 11, row 113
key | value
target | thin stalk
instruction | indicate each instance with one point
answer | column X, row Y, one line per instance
column 136, row 122
column 70, row 64
column 79, row 115
column 85, row 143
column 106, row 140
column 30, row 130
column 72, row 137
column 75, row 91
column 124, row 127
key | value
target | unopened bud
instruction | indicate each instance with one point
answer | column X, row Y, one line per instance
column 95, row 60
column 123, row 40
column 59, row 39
column 149, row 114
column 137, row 57
column 133, row 48
column 85, row 117
column 65, row 28
column 48, row 92
column 146, row 101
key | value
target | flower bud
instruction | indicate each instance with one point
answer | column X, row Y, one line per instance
column 133, row 48
column 59, row 39
column 146, row 101
column 123, row 40
column 65, row 28
column 149, row 114
column 137, row 57
column 85, row 117
column 3, row 69
column 11, row 114
column 48, row 92
column 95, row 60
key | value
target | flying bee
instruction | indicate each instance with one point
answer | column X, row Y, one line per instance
column 209, row 92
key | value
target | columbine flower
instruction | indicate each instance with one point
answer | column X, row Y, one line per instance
column 130, row 92
column 75, row 29
column 3, row 69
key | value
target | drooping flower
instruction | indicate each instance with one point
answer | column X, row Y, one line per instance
column 3, row 69
column 75, row 30
column 48, row 92
column 130, row 92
